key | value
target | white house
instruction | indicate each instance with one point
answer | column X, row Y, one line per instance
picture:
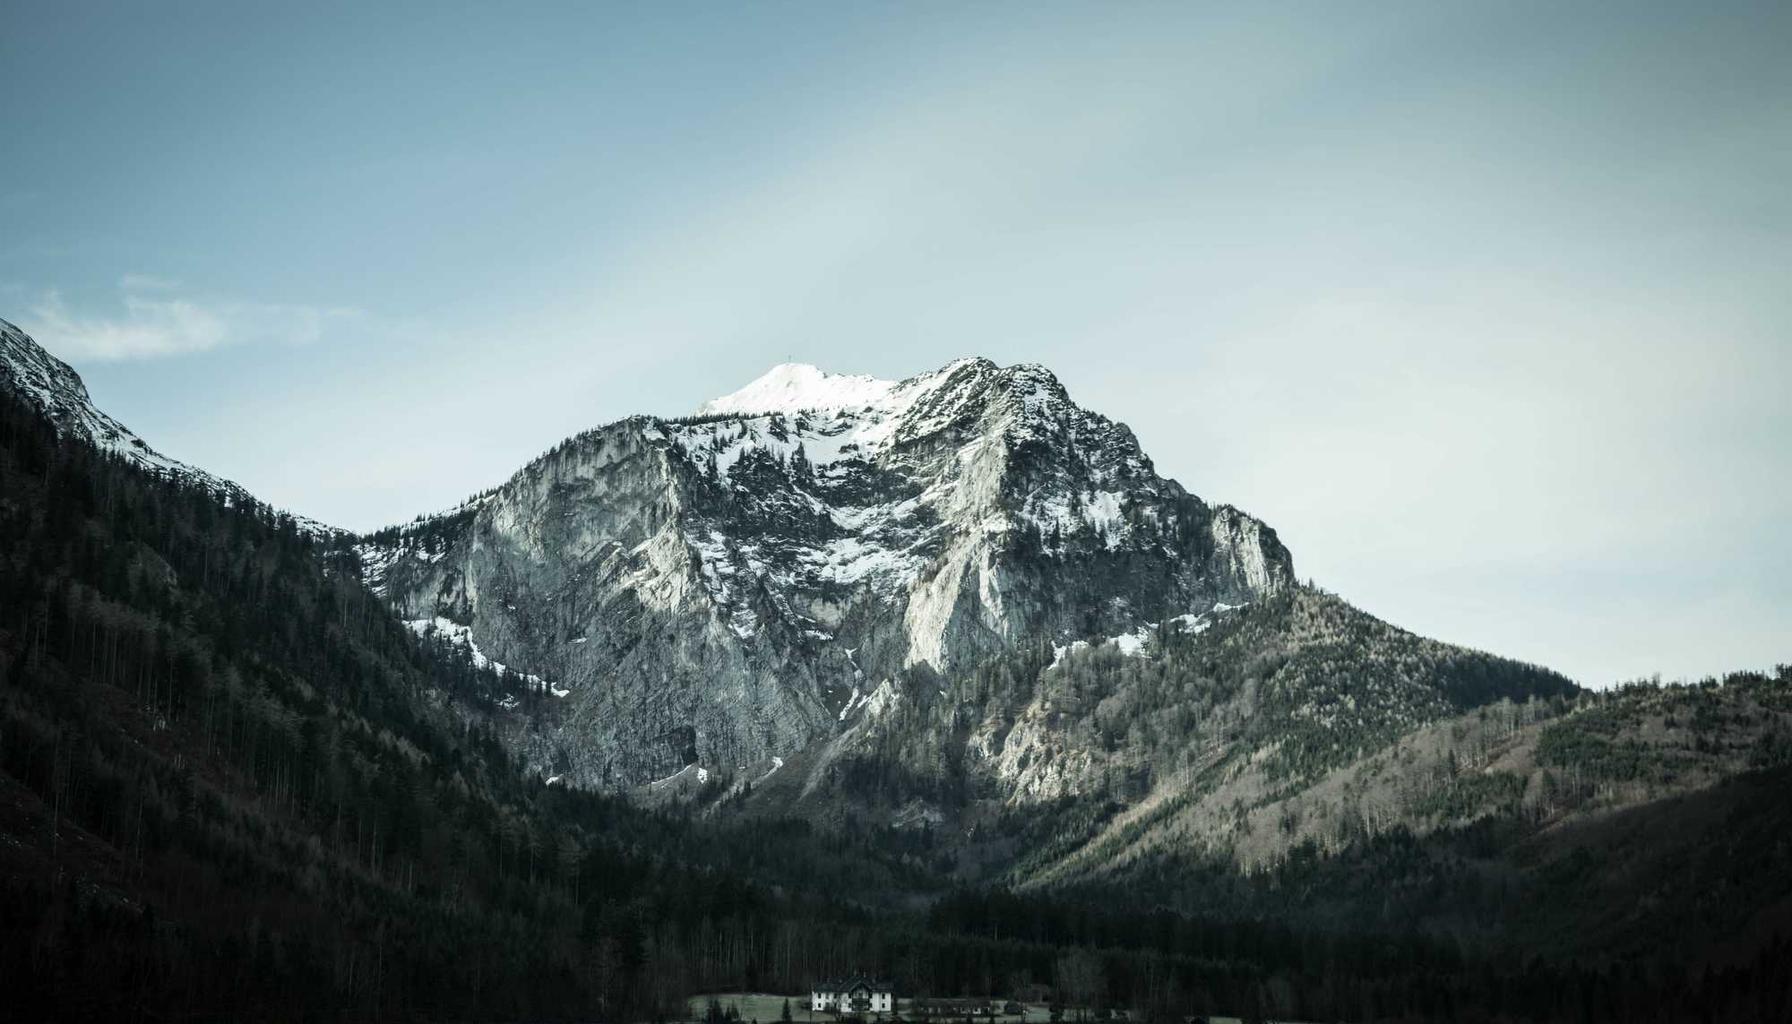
column 857, row 993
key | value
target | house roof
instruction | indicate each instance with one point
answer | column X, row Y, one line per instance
column 852, row 981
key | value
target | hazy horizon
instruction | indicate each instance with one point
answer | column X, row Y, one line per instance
column 1482, row 309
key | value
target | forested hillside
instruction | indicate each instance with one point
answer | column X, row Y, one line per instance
column 1643, row 824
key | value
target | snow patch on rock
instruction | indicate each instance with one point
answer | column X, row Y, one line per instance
column 462, row 637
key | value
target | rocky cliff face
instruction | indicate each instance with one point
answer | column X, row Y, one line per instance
column 724, row 590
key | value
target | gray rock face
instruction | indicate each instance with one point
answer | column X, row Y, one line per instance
column 724, row 589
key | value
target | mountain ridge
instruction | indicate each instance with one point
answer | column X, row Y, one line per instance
column 53, row 387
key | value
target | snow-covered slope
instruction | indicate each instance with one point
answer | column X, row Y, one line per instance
column 798, row 387
column 716, row 588
column 56, row 389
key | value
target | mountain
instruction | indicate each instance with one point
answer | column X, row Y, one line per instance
column 722, row 589
column 931, row 596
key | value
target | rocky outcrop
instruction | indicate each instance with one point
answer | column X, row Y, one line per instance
column 721, row 589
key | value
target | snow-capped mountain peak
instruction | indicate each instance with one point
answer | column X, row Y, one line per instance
column 790, row 388
column 724, row 564
column 796, row 387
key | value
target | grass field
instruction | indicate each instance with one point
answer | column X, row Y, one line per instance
column 765, row 1008
column 760, row 1006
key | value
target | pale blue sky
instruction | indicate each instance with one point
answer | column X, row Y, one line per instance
column 1485, row 307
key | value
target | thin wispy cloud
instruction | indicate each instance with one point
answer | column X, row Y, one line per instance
column 154, row 318
column 147, row 283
